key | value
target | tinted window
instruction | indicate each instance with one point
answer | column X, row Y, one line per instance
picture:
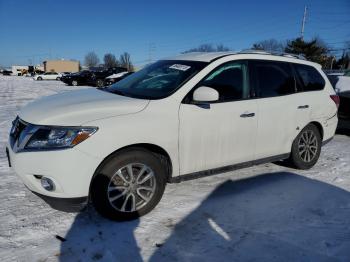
column 230, row 80
column 310, row 78
column 272, row 78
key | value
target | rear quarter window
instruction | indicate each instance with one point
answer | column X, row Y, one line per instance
column 310, row 78
column 272, row 78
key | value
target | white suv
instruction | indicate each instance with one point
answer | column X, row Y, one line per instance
column 180, row 118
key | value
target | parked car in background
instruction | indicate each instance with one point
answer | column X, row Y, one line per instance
column 75, row 79
column 181, row 118
column 48, row 76
column 341, row 84
column 93, row 78
column 98, row 77
column 109, row 80
column 7, row 72
column 344, row 107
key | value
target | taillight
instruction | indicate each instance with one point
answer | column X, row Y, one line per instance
column 335, row 99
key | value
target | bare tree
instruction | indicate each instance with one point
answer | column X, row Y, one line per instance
column 269, row 45
column 110, row 60
column 202, row 48
column 208, row 48
column 125, row 61
column 91, row 59
column 222, row 48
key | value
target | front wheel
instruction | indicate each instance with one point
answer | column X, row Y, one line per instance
column 306, row 148
column 74, row 83
column 130, row 184
column 39, row 78
column 58, row 78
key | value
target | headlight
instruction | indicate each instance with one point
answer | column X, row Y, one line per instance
column 57, row 137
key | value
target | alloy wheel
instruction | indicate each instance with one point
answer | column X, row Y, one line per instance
column 131, row 187
column 307, row 146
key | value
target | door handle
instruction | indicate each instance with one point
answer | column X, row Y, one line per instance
column 247, row 115
column 303, row 107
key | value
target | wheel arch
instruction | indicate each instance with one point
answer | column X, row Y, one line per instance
column 319, row 127
column 155, row 149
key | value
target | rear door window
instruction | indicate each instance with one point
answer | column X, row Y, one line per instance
column 272, row 78
column 310, row 78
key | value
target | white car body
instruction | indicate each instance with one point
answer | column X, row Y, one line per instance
column 118, row 75
column 48, row 76
column 194, row 138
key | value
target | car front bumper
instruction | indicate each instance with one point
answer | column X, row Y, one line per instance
column 71, row 170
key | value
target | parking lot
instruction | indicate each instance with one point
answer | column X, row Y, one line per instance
column 266, row 213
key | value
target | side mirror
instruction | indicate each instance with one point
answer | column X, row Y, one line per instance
column 205, row 94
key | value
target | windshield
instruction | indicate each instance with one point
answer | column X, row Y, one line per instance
column 157, row 80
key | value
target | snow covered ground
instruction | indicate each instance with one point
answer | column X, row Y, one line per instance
column 264, row 213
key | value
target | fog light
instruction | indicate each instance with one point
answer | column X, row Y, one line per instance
column 47, row 184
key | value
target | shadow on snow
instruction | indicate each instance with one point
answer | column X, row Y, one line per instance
column 270, row 217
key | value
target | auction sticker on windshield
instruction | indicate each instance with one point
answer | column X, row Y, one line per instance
column 180, row 67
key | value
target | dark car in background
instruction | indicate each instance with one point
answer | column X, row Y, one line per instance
column 91, row 77
column 344, row 107
column 7, row 72
column 75, row 79
column 341, row 84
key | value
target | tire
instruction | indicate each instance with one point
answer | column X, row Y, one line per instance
column 39, row 78
column 306, row 148
column 58, row 78
column 99, row 83
column 113, row 193
column 74, row 83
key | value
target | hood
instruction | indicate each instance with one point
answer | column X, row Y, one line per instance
column 74, row 108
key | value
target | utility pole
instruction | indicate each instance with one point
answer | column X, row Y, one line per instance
column 333, row 58
column 303, row 23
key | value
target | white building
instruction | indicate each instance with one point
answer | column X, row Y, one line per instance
column 17, row 70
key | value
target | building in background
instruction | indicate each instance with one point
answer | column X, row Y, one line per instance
column 60, row 66
column 17, row 70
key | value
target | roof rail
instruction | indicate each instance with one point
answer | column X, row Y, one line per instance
column 276, row 53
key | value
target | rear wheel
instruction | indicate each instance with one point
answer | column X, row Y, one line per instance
column 306, row 148
column 130, row 184
column 74, row 83
column 39, row 78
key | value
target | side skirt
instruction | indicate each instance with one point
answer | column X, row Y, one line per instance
column 327, row 141
column 225, row 169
